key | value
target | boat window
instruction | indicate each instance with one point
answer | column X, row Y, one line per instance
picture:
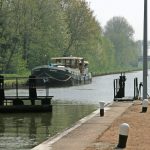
column 68, row 63
column 73, row 63
column 58, row 61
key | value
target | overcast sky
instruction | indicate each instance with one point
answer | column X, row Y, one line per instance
column 132, row 10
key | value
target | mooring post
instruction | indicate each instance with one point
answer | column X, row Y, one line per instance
column 16, row 87
column 2, row 94
column 32, row 89
column 101, row 109
column 144, row 105
column 47, row 89
column 122, row 84
column 136, row 90
column 123, row 135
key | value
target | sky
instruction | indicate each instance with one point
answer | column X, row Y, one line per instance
column 131, row 10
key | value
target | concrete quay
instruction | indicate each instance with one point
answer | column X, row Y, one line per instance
column 86, row 130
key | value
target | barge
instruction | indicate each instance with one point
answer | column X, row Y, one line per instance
column 63, row 71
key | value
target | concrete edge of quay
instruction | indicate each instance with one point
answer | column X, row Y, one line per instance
column 112, row 111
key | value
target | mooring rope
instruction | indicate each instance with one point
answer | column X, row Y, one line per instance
column 61, row 80
column 48, row 76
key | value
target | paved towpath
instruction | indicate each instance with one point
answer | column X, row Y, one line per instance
column 86, row 130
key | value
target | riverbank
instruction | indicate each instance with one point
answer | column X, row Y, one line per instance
column 138, row 137
column 12, row 77
column 116, row 72
column 84, row 133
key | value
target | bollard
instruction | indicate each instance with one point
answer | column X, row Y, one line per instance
column 123, row 135
column 144, row 105
column 102, row 109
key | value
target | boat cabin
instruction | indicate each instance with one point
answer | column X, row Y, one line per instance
column 72, row 62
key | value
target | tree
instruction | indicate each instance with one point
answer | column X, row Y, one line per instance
column 8, row 34
column 120, row 33
column 107, row 56
column 33, row 31
column 83, row 29
column 49, row 34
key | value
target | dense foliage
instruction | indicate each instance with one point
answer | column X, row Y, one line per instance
column 33, row 31
column 120, row 33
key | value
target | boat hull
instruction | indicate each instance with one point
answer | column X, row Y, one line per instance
column 52, row 76
column 71, row 81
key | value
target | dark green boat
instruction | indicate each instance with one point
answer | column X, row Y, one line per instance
column 64, row 71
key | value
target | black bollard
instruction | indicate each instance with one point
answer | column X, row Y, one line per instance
column 144, row 105
column 123, row 135
column 102, row 109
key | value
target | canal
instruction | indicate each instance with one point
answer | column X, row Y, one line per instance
column 23, row 131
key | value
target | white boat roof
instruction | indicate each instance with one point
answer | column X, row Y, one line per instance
column 64, row 58
column 86, row 62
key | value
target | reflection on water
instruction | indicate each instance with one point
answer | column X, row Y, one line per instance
column 24, row 131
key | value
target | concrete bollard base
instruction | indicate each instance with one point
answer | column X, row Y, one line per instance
column 144, row 105
column 102, row 104
column 101, row 112
column 123, row 135
column 144, row 109
column 122, row 141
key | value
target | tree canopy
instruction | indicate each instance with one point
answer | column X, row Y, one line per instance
column 120, row 33
column 33, row 31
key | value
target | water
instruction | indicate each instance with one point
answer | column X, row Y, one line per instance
column 101, row 89
column 24, row 131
